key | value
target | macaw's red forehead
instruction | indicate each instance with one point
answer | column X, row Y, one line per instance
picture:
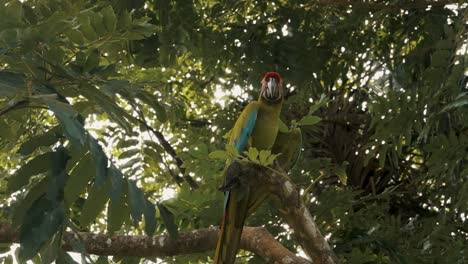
column 275, row 75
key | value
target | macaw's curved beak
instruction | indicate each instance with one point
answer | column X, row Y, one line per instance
column 272, row 92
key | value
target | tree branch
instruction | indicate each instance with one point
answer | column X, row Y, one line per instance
column 254, row 239
column 171, row 151
column 291, row 206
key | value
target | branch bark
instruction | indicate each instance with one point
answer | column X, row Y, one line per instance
column 254, row 239
column 291, row 206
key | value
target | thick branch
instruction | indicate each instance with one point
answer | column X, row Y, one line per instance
column 254, row 239
column 261, row 242
column 292, row 207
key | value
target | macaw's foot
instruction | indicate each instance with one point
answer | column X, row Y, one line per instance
column 230, row 185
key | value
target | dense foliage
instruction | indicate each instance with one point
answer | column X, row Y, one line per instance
column 109, row 107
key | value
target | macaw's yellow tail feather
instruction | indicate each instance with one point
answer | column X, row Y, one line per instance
column 231, row 227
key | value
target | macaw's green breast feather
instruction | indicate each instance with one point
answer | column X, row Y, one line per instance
column 267, row 125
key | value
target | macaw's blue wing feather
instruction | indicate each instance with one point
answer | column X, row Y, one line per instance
column 246, row 131
column 240, row 135
column 244, row 127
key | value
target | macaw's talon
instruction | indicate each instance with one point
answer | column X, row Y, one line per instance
column 233, row 183
column 232, row 180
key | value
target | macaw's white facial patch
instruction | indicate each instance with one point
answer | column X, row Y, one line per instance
column 271, row 89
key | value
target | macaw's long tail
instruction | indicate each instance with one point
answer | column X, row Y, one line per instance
column 235, row 211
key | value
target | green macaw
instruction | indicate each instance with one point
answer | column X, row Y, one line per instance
column 257, row 126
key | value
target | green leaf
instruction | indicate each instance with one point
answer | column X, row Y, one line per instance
column 262, row 157
column 228, row 134
column 341, row 173
column 41, row 222
column 129, row 153
column 40, row 164
column 445, row 44
column 65, row 258
column 168, row 219
column 136, row 201
column 271, row 158
column 456, row 104
column 10, row 83
column 58, row 174
column 158, row 107
column 316, row 106
column 309, row 120
column 5, row 247
column 92, row 61
column 33, row 194
column 117, row 184
column 8, row 260
column 117, row 213
column 55, row 25
column 29, row 14
column 125, row 20
column 252, row 154
column 154, row 145
column 48, row 138
column 110, row 20
column 152, row 154
column 115, row 112
column 100, row 160
column 75, row 36
column 94, row 203
column 440, row 58
column 218, row 154
column 130, row 260
column 130, row 163
column 127, row 143
column 97, row 23
column 86, row 28
column 79, row 178
column 102, row 260
column 382, row 155
column 266, row 158
column 50, row 251
column 10, row 37
column 150, row 218
column 68, row 118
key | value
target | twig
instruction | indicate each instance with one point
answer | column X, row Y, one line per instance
column 171, row 151
column 17, row 105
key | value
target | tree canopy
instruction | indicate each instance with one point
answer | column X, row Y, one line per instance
column 113, row 116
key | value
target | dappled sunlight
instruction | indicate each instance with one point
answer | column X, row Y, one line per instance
column 114, row 118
